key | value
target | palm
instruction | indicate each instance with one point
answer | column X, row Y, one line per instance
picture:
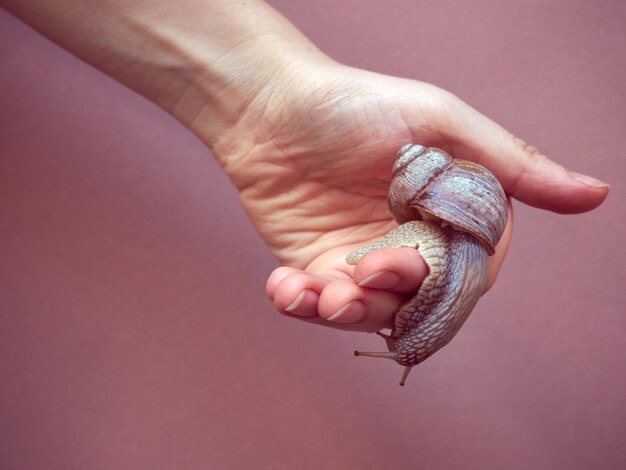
column 329, row 158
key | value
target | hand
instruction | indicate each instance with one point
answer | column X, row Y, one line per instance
column 312, row 162
column 309, row 143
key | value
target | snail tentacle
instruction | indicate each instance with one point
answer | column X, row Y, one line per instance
column 453, row 212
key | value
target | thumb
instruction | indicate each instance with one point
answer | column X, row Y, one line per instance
column 522, row 170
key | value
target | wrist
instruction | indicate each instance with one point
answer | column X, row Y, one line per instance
column 243, row 91
column 210, row 68
column 204, row 63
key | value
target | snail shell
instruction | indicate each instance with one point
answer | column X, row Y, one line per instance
column 428, row 184
column 454, row 213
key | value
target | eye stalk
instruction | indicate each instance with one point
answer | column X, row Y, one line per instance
column 454, row 213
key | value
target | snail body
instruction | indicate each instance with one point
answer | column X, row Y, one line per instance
column 454, row 213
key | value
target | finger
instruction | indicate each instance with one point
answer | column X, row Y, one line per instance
column 524, row 172
column 343, row 302
column 338, row 303
column 276, row 277
column 295, row 292
column 399, row 270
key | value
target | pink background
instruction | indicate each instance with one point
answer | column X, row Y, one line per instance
column 134, row 332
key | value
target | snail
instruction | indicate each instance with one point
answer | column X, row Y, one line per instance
column 454, row 213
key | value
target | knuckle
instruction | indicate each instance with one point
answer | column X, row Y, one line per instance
column 530, row 151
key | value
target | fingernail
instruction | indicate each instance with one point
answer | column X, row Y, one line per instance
column 589, row 180
column 381, row 280
column 353, row 312
column 296, row 303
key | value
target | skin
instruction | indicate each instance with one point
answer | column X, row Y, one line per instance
column 307, row 142
column 457, row 264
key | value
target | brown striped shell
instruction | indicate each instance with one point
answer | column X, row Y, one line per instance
column 428, row 184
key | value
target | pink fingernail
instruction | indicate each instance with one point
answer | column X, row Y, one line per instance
column 381, row 280
column 295, row 303
column 589, row 180
column 353, row 312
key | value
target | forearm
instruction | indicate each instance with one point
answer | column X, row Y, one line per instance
column 191, row 58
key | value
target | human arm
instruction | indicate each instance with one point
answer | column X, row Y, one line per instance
column 293, row 128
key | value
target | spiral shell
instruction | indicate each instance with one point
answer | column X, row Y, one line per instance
column 428, row 184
